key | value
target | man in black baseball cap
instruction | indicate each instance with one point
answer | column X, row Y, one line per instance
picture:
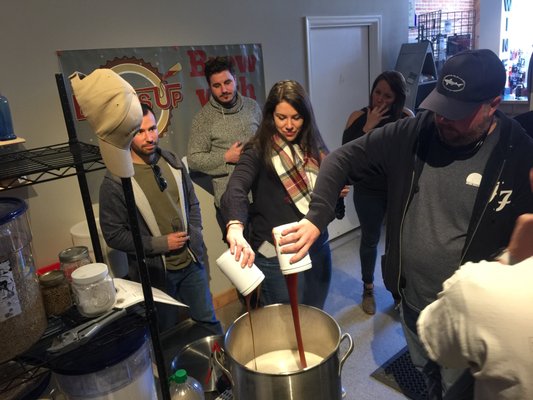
column 468, row 92
column 457, row 180
column 468, row 79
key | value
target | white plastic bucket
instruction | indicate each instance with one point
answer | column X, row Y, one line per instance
column 115, row 365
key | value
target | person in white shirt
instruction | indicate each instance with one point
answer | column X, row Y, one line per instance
column 483, row 319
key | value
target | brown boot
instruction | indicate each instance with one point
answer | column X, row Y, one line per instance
column 369, row 303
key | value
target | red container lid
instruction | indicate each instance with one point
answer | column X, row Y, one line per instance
column 48, row 268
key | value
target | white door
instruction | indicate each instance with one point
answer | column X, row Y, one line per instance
column 343, row 58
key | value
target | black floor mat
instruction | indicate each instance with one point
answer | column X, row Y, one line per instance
column 400, row 374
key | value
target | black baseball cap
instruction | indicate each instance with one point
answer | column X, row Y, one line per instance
column 468, row 79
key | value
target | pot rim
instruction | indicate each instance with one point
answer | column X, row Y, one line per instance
column 194, row 343
column 287, row 373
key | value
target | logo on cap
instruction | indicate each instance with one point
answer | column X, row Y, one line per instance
column 453, row 83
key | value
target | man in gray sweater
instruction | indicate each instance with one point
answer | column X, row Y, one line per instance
column 220, row 128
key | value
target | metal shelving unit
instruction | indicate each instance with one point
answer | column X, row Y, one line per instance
column 35, row 364
column 44, row 164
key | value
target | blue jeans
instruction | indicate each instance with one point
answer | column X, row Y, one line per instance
column 313, row 284
column 370, row 209
column 318, row 278
column 190, row 286
column 274, row 288
column 442, row 383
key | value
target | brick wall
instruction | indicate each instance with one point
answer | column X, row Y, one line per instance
column 425, row 6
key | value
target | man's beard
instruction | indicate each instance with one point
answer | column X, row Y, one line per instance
column 454, row 138
column 227, row 104
column 146, row 154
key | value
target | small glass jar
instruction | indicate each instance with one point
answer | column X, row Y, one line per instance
column 56, row 292
column 93, row 289
column 73, row 258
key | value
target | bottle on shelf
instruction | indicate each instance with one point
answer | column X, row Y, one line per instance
column 184, row 387
column 6, row 123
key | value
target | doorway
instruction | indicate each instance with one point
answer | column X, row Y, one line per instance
column 343, row 59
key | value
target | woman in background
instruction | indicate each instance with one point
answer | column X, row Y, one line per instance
column 387, row 100
column 279, row 165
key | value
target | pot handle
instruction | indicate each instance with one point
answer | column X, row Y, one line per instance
column 348, row 351
column 220, row 353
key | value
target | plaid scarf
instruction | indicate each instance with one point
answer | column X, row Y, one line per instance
column 297, row 174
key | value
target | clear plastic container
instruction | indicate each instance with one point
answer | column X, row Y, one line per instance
column 72, row 258
column 93, row 289
column 22, row 315
column 184, row 387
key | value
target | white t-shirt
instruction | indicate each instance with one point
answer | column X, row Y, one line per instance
column 483, row 319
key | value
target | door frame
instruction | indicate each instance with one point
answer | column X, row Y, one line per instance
column 373, row 22
column 372, row 25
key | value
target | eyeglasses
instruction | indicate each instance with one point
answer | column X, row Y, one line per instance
column 161, row 181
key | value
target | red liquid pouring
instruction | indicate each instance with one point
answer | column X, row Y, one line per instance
column 292, row 286
column 248, row 299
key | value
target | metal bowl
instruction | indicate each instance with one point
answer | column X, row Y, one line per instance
column 196, row 359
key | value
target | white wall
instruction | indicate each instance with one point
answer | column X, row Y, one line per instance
column 490, row 14
column 32, row 31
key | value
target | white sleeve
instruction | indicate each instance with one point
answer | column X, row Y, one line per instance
column 441, row 326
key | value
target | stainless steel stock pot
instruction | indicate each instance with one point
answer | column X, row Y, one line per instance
column 273, row 333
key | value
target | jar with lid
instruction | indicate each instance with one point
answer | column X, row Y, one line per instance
column 93, row 289
column 73, row 258
column 56, row 292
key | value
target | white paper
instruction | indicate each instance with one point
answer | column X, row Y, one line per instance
column 129, row 293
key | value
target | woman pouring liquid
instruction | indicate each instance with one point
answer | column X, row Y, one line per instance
column 279, row 165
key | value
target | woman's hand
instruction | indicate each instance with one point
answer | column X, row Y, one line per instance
column 238, row 245
column 298, row 239
column 375, row 116
column 344, row 192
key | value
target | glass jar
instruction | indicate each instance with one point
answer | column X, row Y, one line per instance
column 73, row 258
column 56, row 292
column 93, row 289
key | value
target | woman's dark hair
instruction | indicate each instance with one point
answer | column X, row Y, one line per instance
column 216, row 65
column 309, row 138
column 397, row 84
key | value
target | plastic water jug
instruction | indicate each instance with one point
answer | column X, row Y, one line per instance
column 184, row 387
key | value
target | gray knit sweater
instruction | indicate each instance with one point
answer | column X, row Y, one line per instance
column 214, row 130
